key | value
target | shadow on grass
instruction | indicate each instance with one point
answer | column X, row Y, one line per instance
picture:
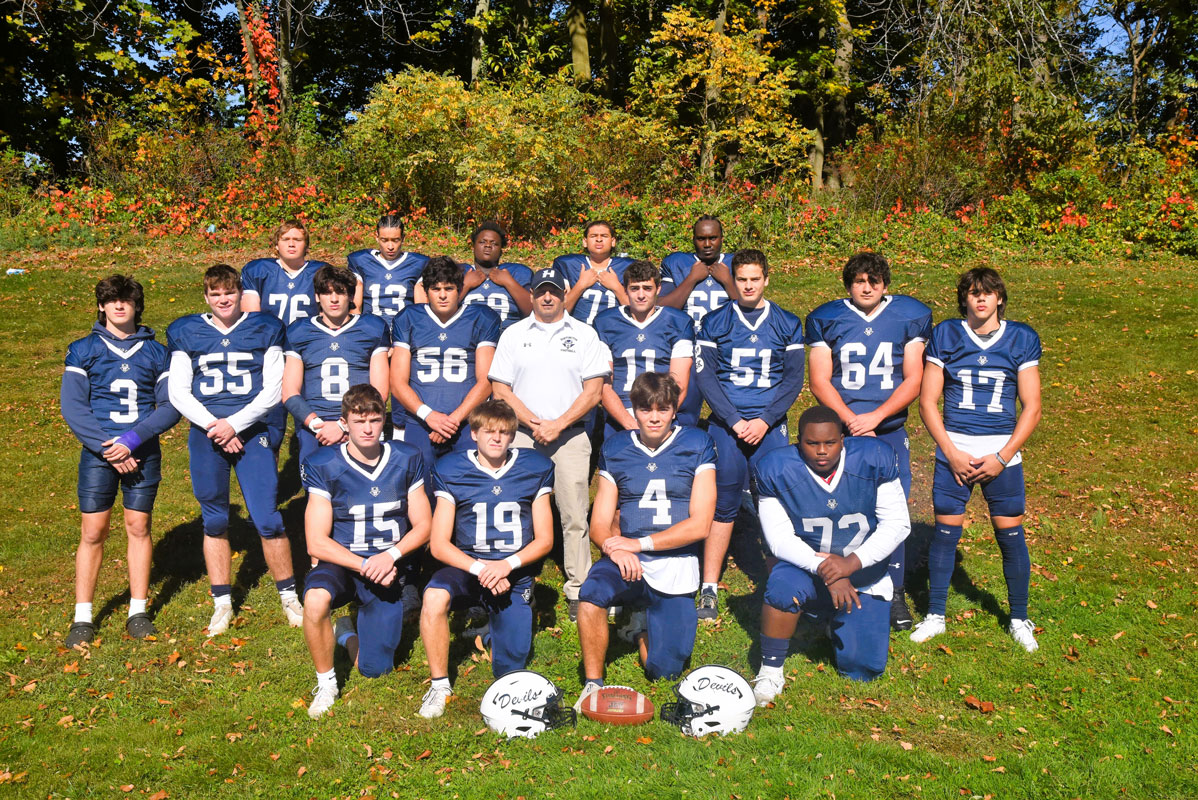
column 917, row 577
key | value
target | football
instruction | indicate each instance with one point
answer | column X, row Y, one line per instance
column 618, row 705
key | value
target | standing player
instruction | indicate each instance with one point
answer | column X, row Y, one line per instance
column 660, row 478
column 979, row 365
column 440, row 356
column 750, row 370
column 642, row 337
column 866, row 354
column 492, row 526
column 594, row 275
column 367, row 510
column 502, row 287
column 114, row 400
column 328, row 353
column 697, row 283
column 283, row 285
column 833, row 511
column 388, row 274
column 226, row 374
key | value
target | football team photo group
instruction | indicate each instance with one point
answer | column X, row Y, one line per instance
column 457, row 424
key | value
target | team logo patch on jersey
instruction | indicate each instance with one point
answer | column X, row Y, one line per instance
column 832, row 503
column 497, row 490
column 124, row 367
column 640, row 337
column 698, row 364
column 652, row 466
column 224, row 342
column 753, row 338
column 334, row 347
column 982, row 359
column 374, row 491
column 291, row 284
column 869, row 331
column 568, row 344
column 387, row 276
column 442, row 337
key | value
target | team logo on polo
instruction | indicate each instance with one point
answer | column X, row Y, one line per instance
column 568, row 344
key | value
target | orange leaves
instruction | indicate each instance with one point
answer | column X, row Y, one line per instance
column 985, row 706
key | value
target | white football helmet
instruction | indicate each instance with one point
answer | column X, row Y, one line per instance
column 524, row 703
column 711, row 699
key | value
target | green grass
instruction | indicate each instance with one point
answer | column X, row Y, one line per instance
column 1104, row 709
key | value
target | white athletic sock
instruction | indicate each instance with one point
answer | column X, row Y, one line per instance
column 326, row 678
column 714, row 587
column 222, row 600
column 83, row 612
column 442, row 684
column 138, row 606
column 769, row 670
column 288, row 594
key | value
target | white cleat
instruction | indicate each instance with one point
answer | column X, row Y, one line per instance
column 433, row 704
column 768, row 684
column 932, row 625
column 1023, row 631
column 222, row 617
column 323, row 698
column 294, row 611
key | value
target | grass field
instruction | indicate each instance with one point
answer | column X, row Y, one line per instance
column 1104, row 709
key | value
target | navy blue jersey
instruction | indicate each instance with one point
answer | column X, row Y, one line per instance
column 370, row 506
column 643, row 347
column 496, row 297
column 442, row 371
column 387, row 286
column 596, row 298
column 287, row 296
column 226, row 365
column 708, row 294
column 981, row 376
column 867, row 351
column 836, row 516
column 335, row 360
column 493, row 516
column 121, row 375
column 748, row 358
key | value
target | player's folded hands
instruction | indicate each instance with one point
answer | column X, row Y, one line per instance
column 844, row 596
column 377, row 568
column 629, row 564
column 614, row 544
column 494, row 572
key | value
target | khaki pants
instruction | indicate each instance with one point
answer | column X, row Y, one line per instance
column 571, row 457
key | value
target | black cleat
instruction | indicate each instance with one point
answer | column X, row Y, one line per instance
column 80, row 633
column 900, row 615
column 139, row 626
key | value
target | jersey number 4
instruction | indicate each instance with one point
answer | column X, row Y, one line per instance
column 852, row 373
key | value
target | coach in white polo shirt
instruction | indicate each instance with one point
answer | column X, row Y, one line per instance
column 550, row 368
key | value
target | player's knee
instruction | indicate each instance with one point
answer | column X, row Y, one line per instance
column 435, row 605
column 317, row 604
column 138, row 528
column 94, row 533
column 374, row 667
column 862, row 666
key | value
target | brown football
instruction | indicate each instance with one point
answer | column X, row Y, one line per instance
column 618, row 705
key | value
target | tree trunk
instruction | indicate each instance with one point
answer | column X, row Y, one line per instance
column 481, row 7
column 711, row 96
column 608, row 44
column 733, row 155
column 284, row 47
column 247, row 41
column 523, row 16
column 580, row 53
column 817, row 150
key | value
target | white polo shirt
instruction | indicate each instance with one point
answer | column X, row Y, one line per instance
column 546, row 363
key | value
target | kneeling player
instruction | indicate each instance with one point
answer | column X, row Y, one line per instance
column 661, row 479
column 832, row 510
column 492, row 526
column 366, row 510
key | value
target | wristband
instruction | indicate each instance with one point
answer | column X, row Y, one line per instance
column 341, row 425
column 647, row 545
column 476, row 568
column 298, row 407
column 129, row 439
column 514, row 561
column 315, row 424
column 362, row 566
column 423, row 411
column 998, row 457
column 395, row 553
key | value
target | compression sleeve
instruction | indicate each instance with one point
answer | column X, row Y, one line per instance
column 268, row 398
column 781, row 537
column 179, row 386
column 894, row 524
column 74, row 398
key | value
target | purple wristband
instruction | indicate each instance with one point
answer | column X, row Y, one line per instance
column 129, row 439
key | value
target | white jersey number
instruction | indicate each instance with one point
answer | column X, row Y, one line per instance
column 381, row 523
column 742, row 374
column 232, row 378
column 823, row 526
column 451, row 368
column 334, row 378
column 397, row 293
column 984, row 376
column 506, row 520
column 128, row 388
column 289, row 307
column 629, row 356
column 853, row 373
column 656, row 500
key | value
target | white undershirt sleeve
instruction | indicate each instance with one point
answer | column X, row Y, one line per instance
column 894, row 524
column 781, row 538
column 178, row 385
column 268, row 398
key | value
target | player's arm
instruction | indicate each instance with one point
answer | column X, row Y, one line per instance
column 1028, row 385
column 786, row 391
column 614, row 406
column 781, row 537
column 586, row 278
column 318, row 534
column 179, row 391
column 419, row 295
column 680, row 371
column 929, row 411
column 380, row 372
column 75, row 399
column 293, row 388
column 902, row 396
column 610, row 281
column 723, row 276
column 894, row 525
column 821, row 366
column 358, row 293
column 692, row 529
column 520, row 293
column 481, row 390
column 251, row 298
column 712, row 388
column 159, row 421
column 502, row 391
column 605, row 532
column 268, row 397
column 401, row 388
column 494, row 574
column 676, row 297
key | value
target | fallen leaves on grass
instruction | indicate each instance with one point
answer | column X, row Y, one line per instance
column 985, row 706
